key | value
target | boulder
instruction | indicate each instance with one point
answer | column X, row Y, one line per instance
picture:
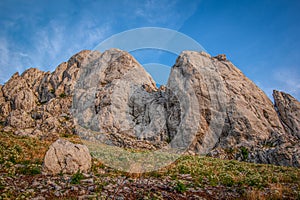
column 66, row 157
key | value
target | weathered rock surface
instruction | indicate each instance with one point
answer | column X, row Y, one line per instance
column 234, row 113
column 207, row 107
column 289, row 112
column 126, row 101
column 66, row 157
column 39, row 103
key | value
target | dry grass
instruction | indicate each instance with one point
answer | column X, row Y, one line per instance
column 251, row 181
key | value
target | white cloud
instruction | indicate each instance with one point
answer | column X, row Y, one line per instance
column 10, row 61
column 164, row 12
column 288, row 80
column 4, row 52
column 50, row 45
column 283, row 79
column 45, row 44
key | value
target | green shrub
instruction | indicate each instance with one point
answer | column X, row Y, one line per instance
column 31, row 169
column 77, row 177
column 62, row 95
column 227, row 180
column 180, row 187
column 245, row 153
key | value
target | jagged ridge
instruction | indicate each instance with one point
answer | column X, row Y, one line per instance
column 247, row 127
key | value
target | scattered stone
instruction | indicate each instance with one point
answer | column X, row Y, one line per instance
column 87, row 197
column 39, row 198
column 74, row 188
column 90, row 180
column 91, row 188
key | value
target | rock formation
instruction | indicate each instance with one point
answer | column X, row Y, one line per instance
column 288, row 109
column 39, row 103
column 207, row 107
column 251, row 129
column 66, row 157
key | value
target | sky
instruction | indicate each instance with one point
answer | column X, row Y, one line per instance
column 260, row 37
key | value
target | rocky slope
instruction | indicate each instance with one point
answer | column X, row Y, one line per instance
column 207, row 107
column 39, row 103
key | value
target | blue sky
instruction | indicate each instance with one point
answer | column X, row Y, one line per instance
column 261, row 37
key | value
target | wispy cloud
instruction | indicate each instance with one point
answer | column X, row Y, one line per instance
column 168, row 13
column 288, row 80
column 3, row 59
column 50, row 44
column 283, row 79
column 41, row 35
column 4, row 51
column 11, row 61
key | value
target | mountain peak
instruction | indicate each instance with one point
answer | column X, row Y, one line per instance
column 207, row 107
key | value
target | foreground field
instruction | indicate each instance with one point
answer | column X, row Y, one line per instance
column 190, row 177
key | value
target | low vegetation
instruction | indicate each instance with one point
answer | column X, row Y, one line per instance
column 62, row 95
column 21, row 159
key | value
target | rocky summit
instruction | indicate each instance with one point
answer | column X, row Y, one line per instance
column 208, row 107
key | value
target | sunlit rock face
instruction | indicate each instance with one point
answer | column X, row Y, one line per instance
column 38, row 103
column 208, row 106
column 288, row 109
column 236, row 118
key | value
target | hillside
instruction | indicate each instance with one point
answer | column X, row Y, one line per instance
column 192, row 177
column 209, row 133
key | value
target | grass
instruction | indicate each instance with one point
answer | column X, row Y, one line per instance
column 233, row 173
column 245, row 153
column 18, row 149
column 24, row 155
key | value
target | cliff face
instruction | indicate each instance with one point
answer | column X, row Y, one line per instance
column 237, row 120
column 288, row 109
column 38, row 103
column 207, row 107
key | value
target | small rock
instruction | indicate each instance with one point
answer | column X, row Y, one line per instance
column 221, row 57
column 44, row 190
column 87, row 197
column 30, row 191
column 82, row 192
column 91, row 188
column 90, row 180
column 57, row 187
column 85, row 175
column 35, row 184
column 74, row 188
column 57, row 194
column 39, row 198
column 205, row 54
